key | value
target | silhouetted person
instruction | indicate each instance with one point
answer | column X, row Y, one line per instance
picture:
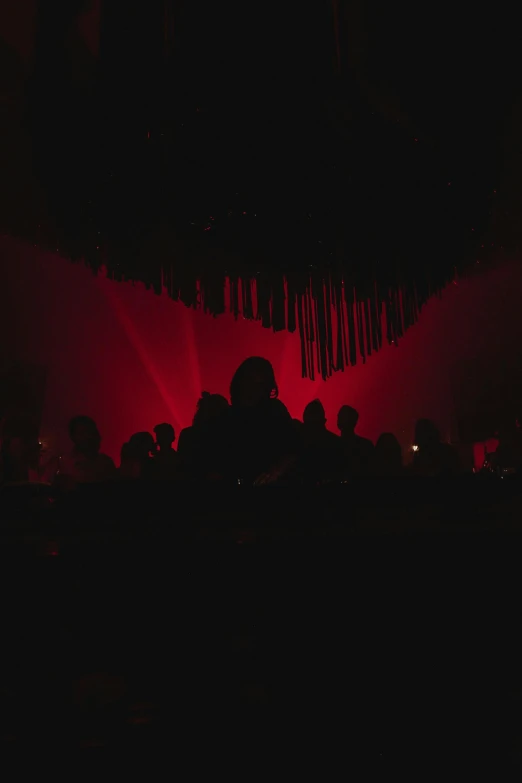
column 314, row 424
column 138, row 456
column 130, row 467
column 432, row 457
column 166, row 460
column 195, row 440
column 257, row 437
column 321, row 455
column 388, row 456
column 357, row 452
column 85, row 463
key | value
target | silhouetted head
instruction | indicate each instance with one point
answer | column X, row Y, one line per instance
column 347, row 419
column 165, row 435
column 253, row 383
column 84, row 434
column 314, row 415
column 141, row 444
column 130, row 460
column 426, row 434
column 209, row 407
column 388, row 450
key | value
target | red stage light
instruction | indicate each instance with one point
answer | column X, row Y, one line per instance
column 131, row 359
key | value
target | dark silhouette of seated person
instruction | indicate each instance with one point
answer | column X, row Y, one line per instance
column 321, row 449
column 166, row 462
column 85, row 463
column 257, row 437
column 196, row 444
column 20, row 451
column 432, row 457
column 357, row 452
column 388, row 457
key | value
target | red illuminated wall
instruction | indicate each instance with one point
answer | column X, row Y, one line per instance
column 131, row 359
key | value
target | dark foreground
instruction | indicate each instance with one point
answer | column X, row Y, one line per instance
column 379, row 630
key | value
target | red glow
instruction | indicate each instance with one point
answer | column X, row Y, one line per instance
column 131, row 359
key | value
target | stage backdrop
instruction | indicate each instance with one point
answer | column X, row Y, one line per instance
column 132, row 359
column 44, row 117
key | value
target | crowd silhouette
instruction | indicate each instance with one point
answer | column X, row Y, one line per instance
column 250, row 440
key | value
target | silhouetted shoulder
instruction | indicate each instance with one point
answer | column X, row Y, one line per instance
column 106, row 465
column 186, row 439
column 278, row 408
column 367, row 445
column 332, row 439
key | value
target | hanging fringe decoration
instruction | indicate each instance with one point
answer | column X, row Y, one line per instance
column 246, row 296
column 360, row 331
column 330, row 262
column 338, row 307
column 338, row 323
column 291, row 304
column 352, row 348
column 303, row 336
column 329, row 331
column 368, row 330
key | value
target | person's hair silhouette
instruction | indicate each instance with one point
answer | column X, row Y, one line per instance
column 253, row 382
column 141, row 445
column 165, row 436
column 358, row 452
column 314, row 414
column 85, row 435
column 209, row 407
column 85, row 463
column 388, row 455
column 347, row 419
